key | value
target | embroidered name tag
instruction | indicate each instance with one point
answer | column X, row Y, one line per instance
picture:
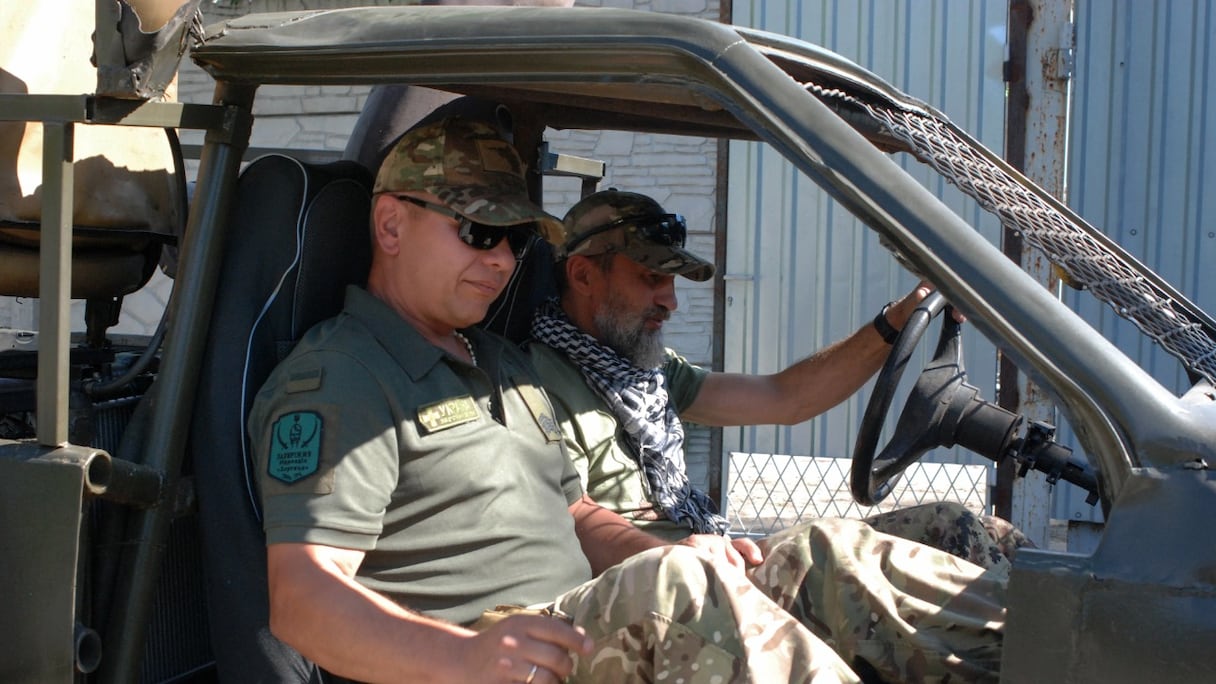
column 538, row 406
column 447, row 413
column 295, row 447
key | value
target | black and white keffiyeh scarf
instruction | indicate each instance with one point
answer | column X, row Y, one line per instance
column 638, row 398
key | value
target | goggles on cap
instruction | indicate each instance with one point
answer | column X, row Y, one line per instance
column 482, row 235
column 668, row 230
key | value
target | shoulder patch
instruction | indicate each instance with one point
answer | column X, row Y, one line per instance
column 539, row 407
column 295, row 446
column 442, row 415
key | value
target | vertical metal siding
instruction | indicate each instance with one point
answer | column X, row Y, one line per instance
column 802, row 272
column 1142, row 139
column 1142, row 136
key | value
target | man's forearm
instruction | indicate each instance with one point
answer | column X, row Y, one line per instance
column 804, row 389
column 354, row 632
column 606, row 537
column 800, row 392
column 829, row 376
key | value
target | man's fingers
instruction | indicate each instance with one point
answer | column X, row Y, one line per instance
column 915, row 297
column 559, row 633
column 523, row 670
column 555, row 640
column 736, row 553
column 736, row 558
column 546, row 642
column 752, row 555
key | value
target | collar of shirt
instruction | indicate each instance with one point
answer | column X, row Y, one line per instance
column 405, row 344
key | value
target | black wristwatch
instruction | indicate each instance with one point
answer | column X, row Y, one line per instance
column 885, row 330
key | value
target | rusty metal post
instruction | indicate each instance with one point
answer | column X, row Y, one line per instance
column 1039, row 73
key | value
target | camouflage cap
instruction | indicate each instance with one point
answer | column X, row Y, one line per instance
column 470, row 168
column 633, row 225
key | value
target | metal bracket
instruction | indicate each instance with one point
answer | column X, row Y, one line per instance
column 1060, row 62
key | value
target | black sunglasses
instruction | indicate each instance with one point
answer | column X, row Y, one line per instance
column 482, row 235
column 668, row 230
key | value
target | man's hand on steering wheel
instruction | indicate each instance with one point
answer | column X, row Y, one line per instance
column 920, row 425
column 900, row 310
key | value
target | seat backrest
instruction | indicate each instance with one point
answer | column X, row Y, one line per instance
column 128, row 192
column 299, row 235
column 532, row 283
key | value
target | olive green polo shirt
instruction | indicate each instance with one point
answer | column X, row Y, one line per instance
column 598, row 444
column 452, row 478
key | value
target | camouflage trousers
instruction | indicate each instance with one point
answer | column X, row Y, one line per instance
column 988, row 541
column 834, row 600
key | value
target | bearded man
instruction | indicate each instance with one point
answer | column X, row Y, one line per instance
column 621, row 395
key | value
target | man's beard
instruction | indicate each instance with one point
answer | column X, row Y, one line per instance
column 627, row 335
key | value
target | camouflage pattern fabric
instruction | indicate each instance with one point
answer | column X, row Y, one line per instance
column 470, row 168
column 584, row 234
column 987, row 541
column 671, row 615
column 830, row 594
column 1006, row 536
column 895, row 610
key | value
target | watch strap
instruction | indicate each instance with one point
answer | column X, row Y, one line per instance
column 885, row 330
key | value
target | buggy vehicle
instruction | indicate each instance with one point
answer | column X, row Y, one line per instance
column 132, row 550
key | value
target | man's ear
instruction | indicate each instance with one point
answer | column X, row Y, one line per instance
column 582, row 274
column 387, row 222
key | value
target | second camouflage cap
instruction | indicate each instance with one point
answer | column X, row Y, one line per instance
column 633, row 225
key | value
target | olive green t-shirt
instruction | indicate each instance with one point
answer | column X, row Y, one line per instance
column 598, row 444
column 452, row 478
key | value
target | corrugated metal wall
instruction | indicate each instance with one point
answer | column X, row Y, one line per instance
column 1141, row 167
column 1142, row 139
column 1143, row 149
column 801, row 271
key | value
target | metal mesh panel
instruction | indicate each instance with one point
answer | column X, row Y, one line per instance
column 178, row 648
column 1084, row 260
column 769, row 492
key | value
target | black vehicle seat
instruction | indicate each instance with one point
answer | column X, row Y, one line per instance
column 120, row 226
column 299, row 235
column 533, row 282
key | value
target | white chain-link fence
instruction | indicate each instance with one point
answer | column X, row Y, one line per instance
column 769, row 492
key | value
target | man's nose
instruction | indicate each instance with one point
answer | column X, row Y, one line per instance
column 501, row 256
column 665, row 295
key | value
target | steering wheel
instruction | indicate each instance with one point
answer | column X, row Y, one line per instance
column 942, row 409
column 871, row 482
